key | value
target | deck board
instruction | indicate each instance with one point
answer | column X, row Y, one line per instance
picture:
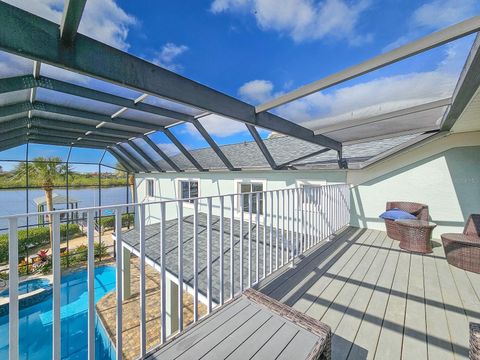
column 383, row 302
column 350, row 323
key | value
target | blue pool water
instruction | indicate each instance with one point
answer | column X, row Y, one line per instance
column 36, row 321
column 29, row 286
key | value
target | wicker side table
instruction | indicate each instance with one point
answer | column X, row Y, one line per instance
column 415, row 235
column 462, row 251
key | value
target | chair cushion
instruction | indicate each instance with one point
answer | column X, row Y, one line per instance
column 397, row 214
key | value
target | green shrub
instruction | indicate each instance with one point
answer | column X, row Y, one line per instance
column 108, row 222
column 36, row 237
column 100, row 250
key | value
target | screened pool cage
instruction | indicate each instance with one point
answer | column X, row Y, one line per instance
column 22, row 192
column 60, row 87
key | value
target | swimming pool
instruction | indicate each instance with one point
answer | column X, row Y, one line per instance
column 36, row 321
column 29, row 286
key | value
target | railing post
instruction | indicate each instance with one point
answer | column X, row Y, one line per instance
column 264, row 197
column 165, row 331
column 91, row 283
column 180, row 264
column 271, row 233
column 119, row 282
column 195, row 260
column 282, row 248
column 56, row 270
column 240, row 200
column 257, row 238
column 143, row 302
column 250, row 240
column 13, row 289
column 209, row 255
column 278, row 225
column 232, row 246
column 220, row 247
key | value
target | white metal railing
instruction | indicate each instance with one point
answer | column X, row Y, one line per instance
column 285, row 223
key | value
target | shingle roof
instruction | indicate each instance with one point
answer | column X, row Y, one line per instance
column 247, row 155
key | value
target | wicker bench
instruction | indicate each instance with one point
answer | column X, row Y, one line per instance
column 419, row 210
column 251, row 325
column 463, row 250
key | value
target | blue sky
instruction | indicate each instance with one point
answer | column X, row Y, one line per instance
column 257, row 49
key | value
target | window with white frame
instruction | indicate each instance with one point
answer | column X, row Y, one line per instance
column 188, row 189
column 150, row 187
column 245, row 188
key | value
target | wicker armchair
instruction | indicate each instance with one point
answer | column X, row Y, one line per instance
column 463, row 250
column 419, row 210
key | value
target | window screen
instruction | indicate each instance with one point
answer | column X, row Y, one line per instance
column 189, row 189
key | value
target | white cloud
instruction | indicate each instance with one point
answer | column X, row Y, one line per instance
column 440, row 13
column 168, row 55
column 256, row 91
column 218, row 125
column 303, row 19
column 382, row 94
column 435, row 15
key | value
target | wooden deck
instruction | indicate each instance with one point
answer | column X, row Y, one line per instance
column 382, row 302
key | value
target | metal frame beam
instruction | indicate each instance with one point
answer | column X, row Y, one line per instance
column 72, row 14
column 9, row 144
column 145, row 156
column 68, row 135
column 11, row 134
column 428, row 42
column 121, row 160
column 285, row 164
column 27, row 82
column 183, row 150
column 21, row 122
column 63, row 110
column 213, row 144
column 386, row 116
column 263, row 148
column 46, row 123
column 467, row 86
column 131, row 158
column 52, row 140
column 39, row 40
column 161, row 153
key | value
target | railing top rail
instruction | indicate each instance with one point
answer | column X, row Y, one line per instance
column 120, row 206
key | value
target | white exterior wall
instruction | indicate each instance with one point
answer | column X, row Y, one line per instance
column 443, row 174
column 223, row 183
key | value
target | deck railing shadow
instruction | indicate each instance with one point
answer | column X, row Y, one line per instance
column 278, row 288
column 399, row 328
column 340, row 344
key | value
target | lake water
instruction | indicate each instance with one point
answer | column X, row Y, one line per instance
column 15, row 201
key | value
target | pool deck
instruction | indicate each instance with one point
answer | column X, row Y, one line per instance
column 106, row 310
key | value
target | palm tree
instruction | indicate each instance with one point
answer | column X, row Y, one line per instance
column 45, row 172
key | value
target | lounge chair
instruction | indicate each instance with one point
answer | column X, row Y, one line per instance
column 420, row 211
column 463, row 250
